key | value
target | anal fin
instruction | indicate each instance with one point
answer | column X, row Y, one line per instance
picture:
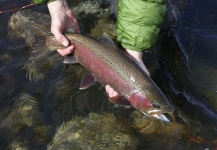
column 70, row 60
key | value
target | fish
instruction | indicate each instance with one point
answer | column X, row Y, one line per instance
column 108, row 65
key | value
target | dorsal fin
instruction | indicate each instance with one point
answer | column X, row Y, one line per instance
column 106, row 39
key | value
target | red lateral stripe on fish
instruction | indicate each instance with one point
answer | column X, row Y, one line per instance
column 112, row 67
column 140, row 101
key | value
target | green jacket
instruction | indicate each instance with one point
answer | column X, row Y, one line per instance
column 42, row 1
column 138, row 22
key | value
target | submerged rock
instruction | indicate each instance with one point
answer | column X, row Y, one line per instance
column 25, row 121
column 92, row 7
column 28, row 110
column 28, row 25
column 94, row 132
column 105, row 25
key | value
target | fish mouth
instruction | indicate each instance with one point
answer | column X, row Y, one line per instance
column 158, row 114
column 161, row 117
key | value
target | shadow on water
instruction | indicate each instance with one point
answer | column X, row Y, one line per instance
column 41, row 106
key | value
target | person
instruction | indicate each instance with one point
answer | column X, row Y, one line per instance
column 138, row 25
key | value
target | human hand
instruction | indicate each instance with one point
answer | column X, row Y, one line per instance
column 135, row 56
column 111, row 92
column 62, row 19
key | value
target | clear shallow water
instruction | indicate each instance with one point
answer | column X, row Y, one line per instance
column 50, row 112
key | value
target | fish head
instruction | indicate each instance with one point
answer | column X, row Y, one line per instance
column 153, row 104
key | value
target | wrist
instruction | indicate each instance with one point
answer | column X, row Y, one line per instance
column 49, row 1
column 39, row 2
column 58, row 4
column 55, row 6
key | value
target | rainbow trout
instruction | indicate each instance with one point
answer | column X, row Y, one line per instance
column 110, row 66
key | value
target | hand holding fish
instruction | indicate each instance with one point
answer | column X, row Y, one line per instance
column 62, row 19
column 133, row 85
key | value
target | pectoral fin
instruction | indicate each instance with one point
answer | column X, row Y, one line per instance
column 70, row 60
column 87, row 81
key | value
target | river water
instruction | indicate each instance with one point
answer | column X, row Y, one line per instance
column 41, row 106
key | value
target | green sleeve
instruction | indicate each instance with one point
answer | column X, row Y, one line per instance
column 138, row 23
column 38, row 2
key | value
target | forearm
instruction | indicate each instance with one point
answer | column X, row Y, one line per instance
column 57, row 6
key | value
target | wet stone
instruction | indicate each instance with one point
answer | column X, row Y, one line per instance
column 94, row 132
column 104, row 25
column 92, row 7
column 28, row 110
column 28, row 25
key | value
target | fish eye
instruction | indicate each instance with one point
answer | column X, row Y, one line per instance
column 156, row 105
